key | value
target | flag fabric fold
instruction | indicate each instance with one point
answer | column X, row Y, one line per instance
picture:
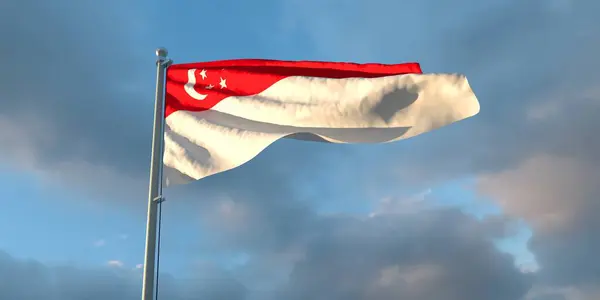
column 221, row 114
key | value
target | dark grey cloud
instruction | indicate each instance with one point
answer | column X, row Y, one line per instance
column 416, row 252
column 426, row 254
column 440, row 254
column 71, row 87
column 28, row 279
column 533, row 66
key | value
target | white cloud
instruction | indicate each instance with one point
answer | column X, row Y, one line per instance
column 402, row 205
column 115, row 263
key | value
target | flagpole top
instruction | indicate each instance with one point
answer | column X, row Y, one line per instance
column 162, row 53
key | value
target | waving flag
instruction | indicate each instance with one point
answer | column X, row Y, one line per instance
column 221, row 114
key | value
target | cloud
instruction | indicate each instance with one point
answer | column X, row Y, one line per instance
column 99, row 243
column 75, row 103
column 440, row 254
column 68, row 97
column 558, row 197
column 428, row 253
column 534, row 141
column 34, row 280
column 542, row 158
column 400, row 206
column 532, row 146
column 115, row 263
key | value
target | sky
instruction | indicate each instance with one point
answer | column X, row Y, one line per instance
column 502, row 206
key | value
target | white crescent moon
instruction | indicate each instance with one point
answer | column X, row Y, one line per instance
column 189, row 86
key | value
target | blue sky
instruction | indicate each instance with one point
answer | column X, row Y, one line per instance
column 75, row 152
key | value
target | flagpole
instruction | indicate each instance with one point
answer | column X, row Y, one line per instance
column 155, row 187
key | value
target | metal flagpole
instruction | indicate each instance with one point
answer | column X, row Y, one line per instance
column 155, row 189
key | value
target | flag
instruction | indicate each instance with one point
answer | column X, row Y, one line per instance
column 221, row 114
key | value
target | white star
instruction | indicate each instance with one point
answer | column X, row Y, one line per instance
column 203, row 74
column 223, row 83
column 210, row 86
